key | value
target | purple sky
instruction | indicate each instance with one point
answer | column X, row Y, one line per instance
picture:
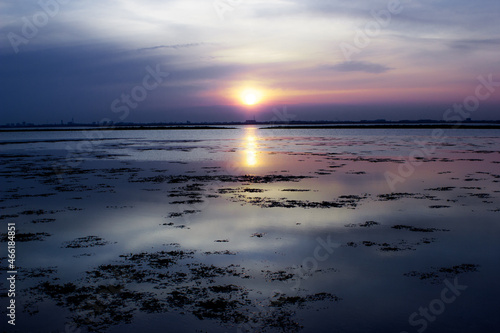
column 197, row 60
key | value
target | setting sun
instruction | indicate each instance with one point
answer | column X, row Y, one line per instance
column 250, row 97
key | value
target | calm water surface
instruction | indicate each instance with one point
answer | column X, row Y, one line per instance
column 252, row 230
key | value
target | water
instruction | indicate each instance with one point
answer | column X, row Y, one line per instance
column 248, row 229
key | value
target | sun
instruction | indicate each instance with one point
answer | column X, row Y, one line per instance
column 250, row 97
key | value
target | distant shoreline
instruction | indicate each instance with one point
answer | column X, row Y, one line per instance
column 391, row 126
column 319, row 126
column 117, row 128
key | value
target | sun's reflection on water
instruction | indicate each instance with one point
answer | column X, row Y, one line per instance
column 251, row 147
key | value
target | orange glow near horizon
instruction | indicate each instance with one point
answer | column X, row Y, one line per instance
column 256, row 96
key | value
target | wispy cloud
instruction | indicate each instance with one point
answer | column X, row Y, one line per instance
column 360, row 66
column 174, row 46
column 469, row 44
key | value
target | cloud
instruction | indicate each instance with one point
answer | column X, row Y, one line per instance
column 93, row 51
column 174, row 46
column 360, row 66
column 470, row 44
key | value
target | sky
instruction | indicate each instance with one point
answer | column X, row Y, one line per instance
column 205, row 60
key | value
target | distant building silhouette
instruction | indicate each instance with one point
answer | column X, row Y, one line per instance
column 251, row 121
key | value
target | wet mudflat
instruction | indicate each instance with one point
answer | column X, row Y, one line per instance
column 253, row 230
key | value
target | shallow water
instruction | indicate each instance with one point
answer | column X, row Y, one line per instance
column 251, row 230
